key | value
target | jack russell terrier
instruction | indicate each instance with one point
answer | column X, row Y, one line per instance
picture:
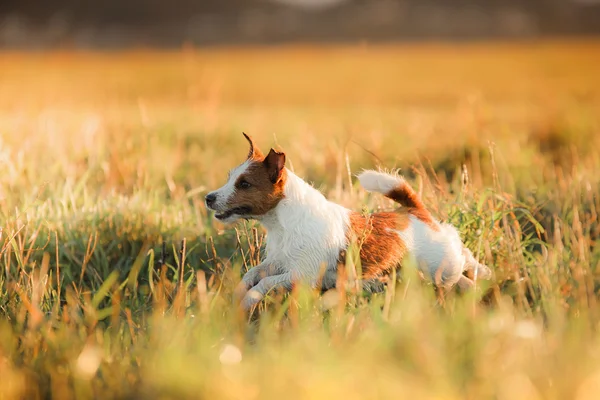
column 308, row 235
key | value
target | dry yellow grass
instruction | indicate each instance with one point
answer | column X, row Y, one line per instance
column 105, row 156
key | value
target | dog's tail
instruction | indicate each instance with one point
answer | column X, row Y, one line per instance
column 393, row 187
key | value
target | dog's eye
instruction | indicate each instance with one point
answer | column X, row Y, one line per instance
column 244, row 185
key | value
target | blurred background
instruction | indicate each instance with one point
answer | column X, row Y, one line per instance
column 490, row 108
column 158, row 23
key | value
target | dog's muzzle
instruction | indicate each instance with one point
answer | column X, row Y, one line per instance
column 241, row 211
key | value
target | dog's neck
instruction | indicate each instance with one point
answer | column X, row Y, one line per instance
column 301, row 202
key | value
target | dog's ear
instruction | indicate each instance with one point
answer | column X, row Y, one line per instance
column 275, row 162
column 254, row 151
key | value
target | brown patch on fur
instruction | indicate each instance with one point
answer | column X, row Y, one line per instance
column 275, row 163
column 406, row 196
column 266, row 179
column 381, row 249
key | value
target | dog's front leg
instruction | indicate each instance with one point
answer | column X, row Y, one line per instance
column 258, row 292
column 252, row 277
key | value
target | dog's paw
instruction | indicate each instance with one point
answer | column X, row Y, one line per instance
column 252, row 298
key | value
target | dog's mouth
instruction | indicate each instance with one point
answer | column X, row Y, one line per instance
column 244, row 210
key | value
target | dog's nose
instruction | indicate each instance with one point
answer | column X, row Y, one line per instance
column 210, row 199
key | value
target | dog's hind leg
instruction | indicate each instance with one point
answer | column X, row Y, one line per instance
column 474, row 267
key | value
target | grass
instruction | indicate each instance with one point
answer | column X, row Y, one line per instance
column 115, row 283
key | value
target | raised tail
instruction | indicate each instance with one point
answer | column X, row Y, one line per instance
column 394, row 187
column 391, row 186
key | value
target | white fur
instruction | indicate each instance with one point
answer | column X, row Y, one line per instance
column 381, row 182
column 305, row 230
column 438, row 254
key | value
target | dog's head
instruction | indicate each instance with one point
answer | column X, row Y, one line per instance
column 253, row 188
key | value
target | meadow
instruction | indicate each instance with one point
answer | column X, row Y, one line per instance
column 115, row 282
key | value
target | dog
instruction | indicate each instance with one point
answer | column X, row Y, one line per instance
column 306, row 231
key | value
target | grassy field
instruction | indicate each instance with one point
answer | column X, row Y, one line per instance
column 115, row 283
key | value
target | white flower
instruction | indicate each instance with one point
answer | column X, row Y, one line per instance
column 88, row 361
column 230, row 355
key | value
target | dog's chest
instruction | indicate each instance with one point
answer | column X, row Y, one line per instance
column 283, row 245
column 300, row 250
column 302, row 236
